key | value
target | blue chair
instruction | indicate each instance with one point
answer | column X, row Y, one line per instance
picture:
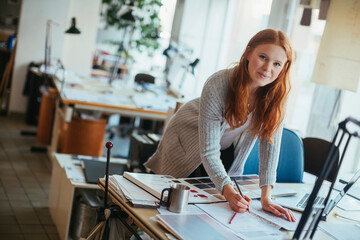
column 291, row 159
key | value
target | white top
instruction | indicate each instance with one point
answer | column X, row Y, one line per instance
column 231, row 134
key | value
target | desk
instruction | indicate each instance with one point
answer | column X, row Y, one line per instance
column 62, row 192
column 97, row 95
column 141, row 216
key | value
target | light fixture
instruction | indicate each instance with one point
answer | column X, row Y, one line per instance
column 49, row 23
column 128, row 16
column 73, row 29
column 47, row 59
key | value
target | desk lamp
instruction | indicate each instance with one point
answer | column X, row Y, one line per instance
column 49, row 23
column 342, row 136
column 73, row 29
column 169, row 53
column 189, row 68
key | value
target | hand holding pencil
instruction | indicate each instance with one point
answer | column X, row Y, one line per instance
column 244, row 203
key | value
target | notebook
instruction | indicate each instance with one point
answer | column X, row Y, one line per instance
column 94, row 169
column 299, row 201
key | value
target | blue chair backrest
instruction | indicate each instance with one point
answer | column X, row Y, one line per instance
column 291, row 159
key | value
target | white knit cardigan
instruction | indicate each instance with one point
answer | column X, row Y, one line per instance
column 193, row 137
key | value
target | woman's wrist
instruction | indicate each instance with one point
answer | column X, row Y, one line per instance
column 228, row 191
column 266, row 193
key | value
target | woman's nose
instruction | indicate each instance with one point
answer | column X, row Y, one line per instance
column 267, row 66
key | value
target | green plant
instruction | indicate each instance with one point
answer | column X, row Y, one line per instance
column 142, row 32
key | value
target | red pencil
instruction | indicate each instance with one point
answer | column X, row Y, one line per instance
column 232, row 218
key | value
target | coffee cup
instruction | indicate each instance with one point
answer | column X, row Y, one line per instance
column 178, row 198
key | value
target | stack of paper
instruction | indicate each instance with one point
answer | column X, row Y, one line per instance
column 130, row 192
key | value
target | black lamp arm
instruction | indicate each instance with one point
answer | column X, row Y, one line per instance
column 329, row 162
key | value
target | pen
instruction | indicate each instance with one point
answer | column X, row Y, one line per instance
column 238, row 188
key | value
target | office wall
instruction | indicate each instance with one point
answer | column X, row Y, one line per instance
column 79, row 48
column 218, row 32
column 31, row 42
column 75, row 51
column 201, row 30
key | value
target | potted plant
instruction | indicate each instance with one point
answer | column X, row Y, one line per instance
column 139, row 20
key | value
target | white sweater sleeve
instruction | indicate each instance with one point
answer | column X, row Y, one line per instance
column 211, row 117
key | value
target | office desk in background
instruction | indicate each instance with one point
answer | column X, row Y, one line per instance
column 120, row 97
column 142, row 216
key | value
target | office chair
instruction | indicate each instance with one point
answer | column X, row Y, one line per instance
column 291, row 160
column 128, row 124
column 315, row 152
column 144, row 78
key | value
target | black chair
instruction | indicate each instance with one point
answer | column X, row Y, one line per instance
column 144, row 78
column 315, row 152
column 128, row 124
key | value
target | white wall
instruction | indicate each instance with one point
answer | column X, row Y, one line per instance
column 75, row 51
column 201, row 29
column 31, row 42
column 79, row 48
column 218, row 32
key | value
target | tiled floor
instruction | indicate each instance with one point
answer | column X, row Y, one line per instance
column 24, row 185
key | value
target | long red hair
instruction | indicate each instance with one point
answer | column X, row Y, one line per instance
column 270, row 99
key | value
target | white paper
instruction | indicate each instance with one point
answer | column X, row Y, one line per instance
column 343, row 231
column 154, row 102
column 191, row 209
column 200, row 226
column 256, row 208
column 245, row 225
column 279, row 191
column 75, row 173
column 130, row 190
column 96, row 97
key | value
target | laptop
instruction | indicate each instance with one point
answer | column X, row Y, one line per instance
column 299, row 201
column 93, row 170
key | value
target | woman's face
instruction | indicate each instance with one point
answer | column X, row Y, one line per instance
column 265, row 64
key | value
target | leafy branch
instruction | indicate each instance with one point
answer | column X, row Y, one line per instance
column 143, row 30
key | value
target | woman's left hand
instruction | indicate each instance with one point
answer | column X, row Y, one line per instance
column 274, row 208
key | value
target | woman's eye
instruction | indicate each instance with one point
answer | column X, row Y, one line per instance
column 277, row 64
column 262, row 57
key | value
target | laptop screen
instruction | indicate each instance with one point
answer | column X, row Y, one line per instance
column 341, row 194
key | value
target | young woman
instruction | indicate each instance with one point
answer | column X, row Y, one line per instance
column 214, row 134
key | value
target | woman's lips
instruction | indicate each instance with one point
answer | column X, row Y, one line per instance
column 263, row 75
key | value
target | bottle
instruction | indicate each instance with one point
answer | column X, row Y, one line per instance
column 11, row 41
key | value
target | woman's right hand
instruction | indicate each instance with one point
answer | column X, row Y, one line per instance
column 236, row 202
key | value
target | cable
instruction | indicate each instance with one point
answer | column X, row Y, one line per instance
column 346, row 218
